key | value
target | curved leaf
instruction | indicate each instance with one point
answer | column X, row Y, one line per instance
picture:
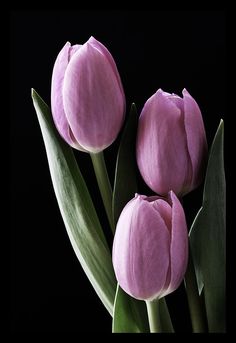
column 77, row 209
column 166, row 323
column 125, row 185
column 130, row 315
column 207, row 237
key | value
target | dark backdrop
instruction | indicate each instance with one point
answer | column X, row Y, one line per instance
column 152, row 49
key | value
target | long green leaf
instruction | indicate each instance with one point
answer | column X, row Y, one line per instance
column 130, row 315
column 77, row 209
column 166, row 323
column 125, row 185
column 207, row 237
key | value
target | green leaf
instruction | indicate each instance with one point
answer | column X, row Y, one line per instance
column 125, row 185
column 77, row 209
column 166, row 323
column 130, row 315
column 207, row 237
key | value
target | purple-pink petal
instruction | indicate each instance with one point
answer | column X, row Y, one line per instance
column 162, row 154
column 56, row 93
column 87, row 97
column 165, row 211
column 145, row 264
column 58, row 112
column 171, row 143
column 93, row 102
column 196, row 138
column 150, row 248
column 178, row 245
column 98, row 45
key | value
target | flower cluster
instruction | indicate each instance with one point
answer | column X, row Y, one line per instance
column 88, row 106
column 150, row 253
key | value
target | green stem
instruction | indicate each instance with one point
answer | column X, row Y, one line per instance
column 196, row 309
column 154, row 315
column 103, row 184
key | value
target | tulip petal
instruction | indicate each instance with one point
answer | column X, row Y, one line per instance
column 100, row 47
column 58, row 112
column 178, row 245
column 162, row 153
column 196, row 138
column 121, row 248
column 93, row 102
column 177, row 101
column 144, row 262
column 73, row 49
column 164, row 209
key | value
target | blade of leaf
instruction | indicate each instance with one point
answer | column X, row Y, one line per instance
column 77, row 209
column 130, row 315
column 125, row 185
column 166, row 323
column 207, row 237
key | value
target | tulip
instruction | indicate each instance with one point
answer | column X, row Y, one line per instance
column 87, row 97
column 150, row 249
column 171, row 143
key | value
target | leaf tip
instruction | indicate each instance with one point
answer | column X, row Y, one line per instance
column 133, row 110
column 220, row 129
column 34, row 94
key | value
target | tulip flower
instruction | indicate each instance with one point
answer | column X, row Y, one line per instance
column 171, row 143
column 150, row 249
column 87, row 97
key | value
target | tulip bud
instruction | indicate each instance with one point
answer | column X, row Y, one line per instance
column 150, row 249
column 87, row 97
column 171, row 143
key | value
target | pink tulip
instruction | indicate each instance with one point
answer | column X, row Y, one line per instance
column 171, row 143
column 87, row 97
column 150, row 249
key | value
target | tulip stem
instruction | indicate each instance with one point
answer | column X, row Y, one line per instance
column 103, row 184
column 195, row 303
column 153, row 311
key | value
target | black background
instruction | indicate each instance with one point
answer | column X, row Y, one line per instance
column 152, row 49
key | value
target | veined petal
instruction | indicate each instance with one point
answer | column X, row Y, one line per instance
column 162, row 154
column 144, row 250
column 96, row 44
column 196, row 138
column 58, row 112
column 93, row 102
column 178, row 245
